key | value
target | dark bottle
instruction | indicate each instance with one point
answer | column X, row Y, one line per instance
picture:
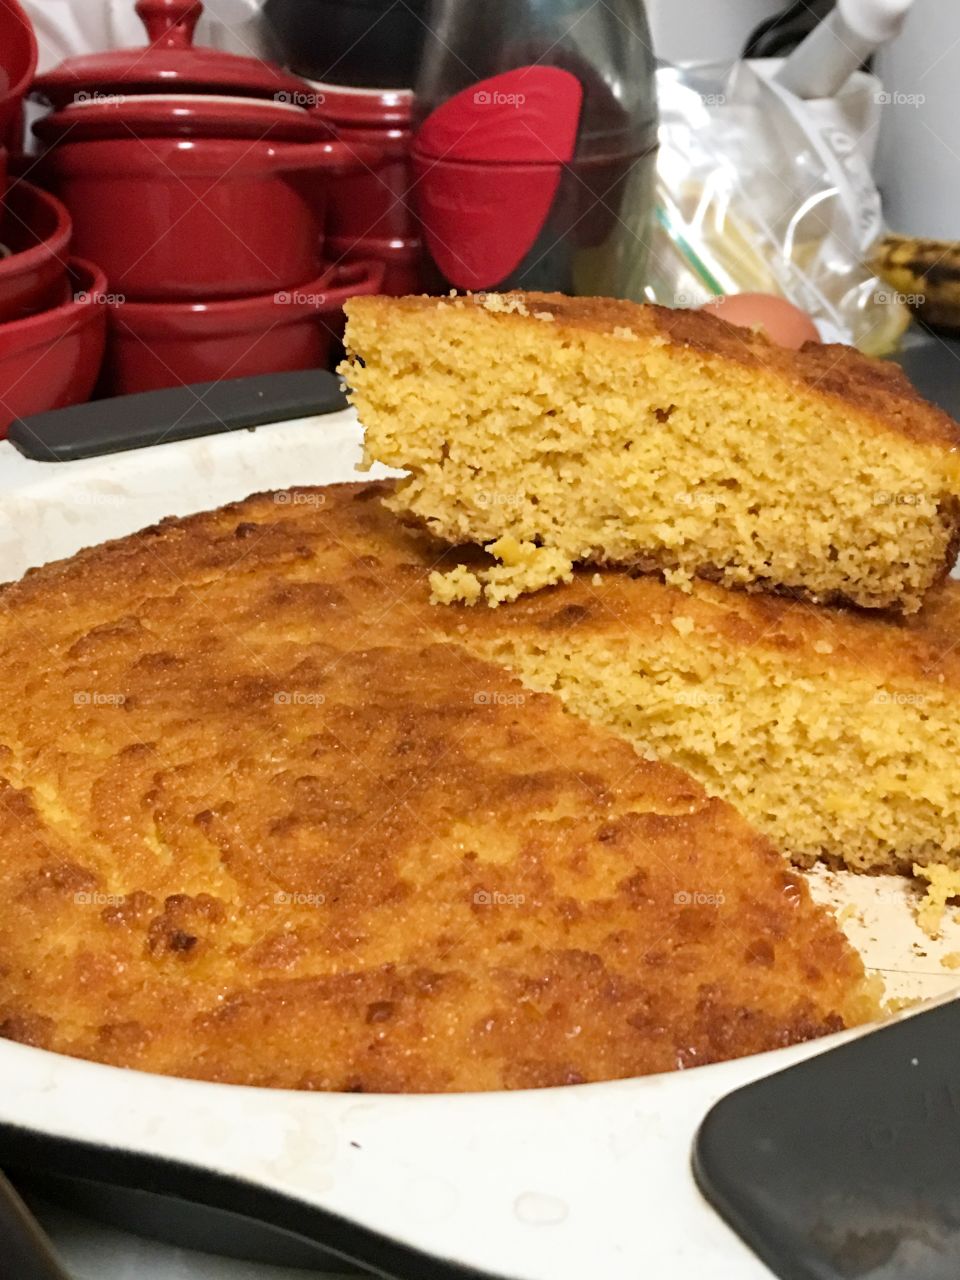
column 370, row 43
column 535, row 156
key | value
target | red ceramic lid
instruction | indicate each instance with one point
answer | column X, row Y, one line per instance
column 363, row 108
column 169, row 64
column 173, row 115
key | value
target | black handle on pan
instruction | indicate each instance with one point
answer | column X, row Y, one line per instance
column 27, row 1253
column 178, row 413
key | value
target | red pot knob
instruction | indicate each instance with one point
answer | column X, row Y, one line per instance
column 170, row 23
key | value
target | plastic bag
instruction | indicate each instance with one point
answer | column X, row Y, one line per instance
column 761, row 191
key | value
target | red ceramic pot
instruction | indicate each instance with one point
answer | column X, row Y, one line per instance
column 35, row 235
column 168, row 64
column 373, row 203
column 211, row 218
column 402, row 261
column 18, row 61
column 99, row 117
column 53, row 359
column 154, row 345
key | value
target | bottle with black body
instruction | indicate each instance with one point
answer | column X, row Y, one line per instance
column 535, row 154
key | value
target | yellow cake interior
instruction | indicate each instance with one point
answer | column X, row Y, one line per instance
column 846, row 769
column 630, row 446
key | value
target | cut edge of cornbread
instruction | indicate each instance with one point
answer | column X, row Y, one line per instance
column 835, row 733
column 662, row 440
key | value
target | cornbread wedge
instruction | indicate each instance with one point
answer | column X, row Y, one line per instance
column 835, row 732
column 262, row 823
column 590, row 430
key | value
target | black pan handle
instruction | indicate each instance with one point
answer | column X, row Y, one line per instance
column 178, row 413
column 27, row 1253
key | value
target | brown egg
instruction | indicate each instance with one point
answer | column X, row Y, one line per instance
column 780, row 320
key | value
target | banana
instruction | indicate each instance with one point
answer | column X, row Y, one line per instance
column 925, row 275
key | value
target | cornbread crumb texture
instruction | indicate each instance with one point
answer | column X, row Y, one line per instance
column 943, row 887
column 523, row 567
column 263, row 822
column 455, row 586
column 658, row 439
column 833, row 731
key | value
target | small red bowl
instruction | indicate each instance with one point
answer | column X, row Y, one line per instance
column 35, row 231
column 53, row 359
column 18, row 60
column 168, row 344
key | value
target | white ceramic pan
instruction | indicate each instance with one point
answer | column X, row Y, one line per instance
column 558, row 1184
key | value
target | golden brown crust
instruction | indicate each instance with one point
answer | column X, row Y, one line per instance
column 877, row 389
column 263, row 821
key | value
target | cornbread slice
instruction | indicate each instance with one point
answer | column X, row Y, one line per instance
column 612, row 433
column 835, row 732
column 262, row 822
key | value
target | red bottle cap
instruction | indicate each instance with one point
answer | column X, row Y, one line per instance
column 526, row 116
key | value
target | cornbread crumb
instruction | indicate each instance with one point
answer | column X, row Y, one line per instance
column 822, row 646
column 597, row 580
column 681, row 578
column 456, row 586
column 951, row 960
column 621, row 331
column 547, row 316
column 943, row 885
column 684, row 625
column 505, row 304
column 588, row 427
column 523, row 567
column 897, row 1004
